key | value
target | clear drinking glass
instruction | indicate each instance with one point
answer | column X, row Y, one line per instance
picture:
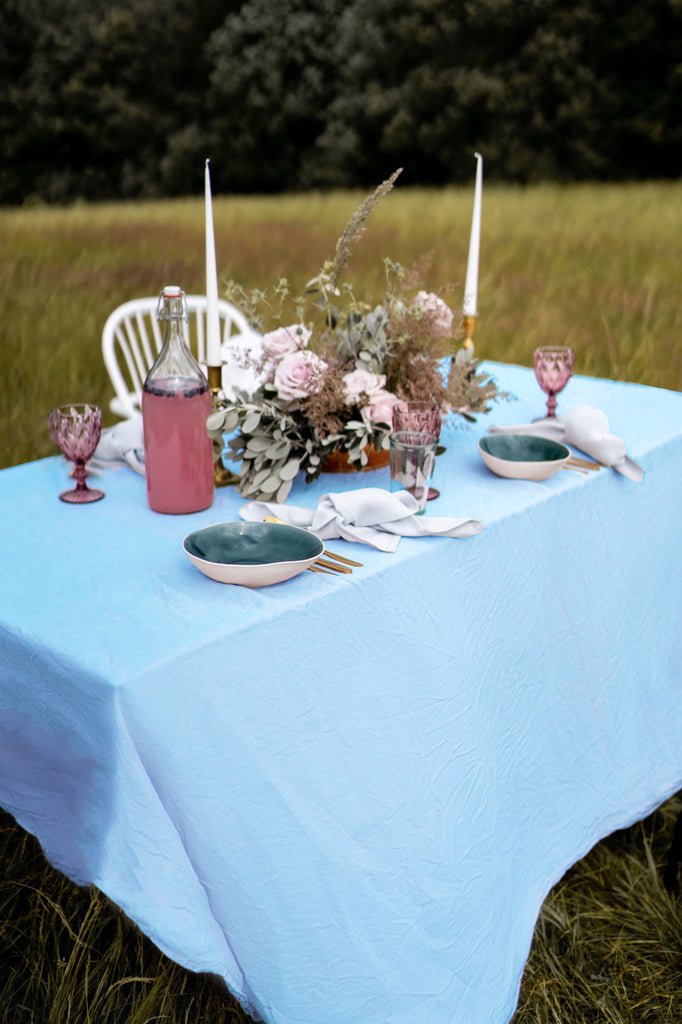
column 420, row 417
column 76, row 429
column 553, row 366
column 413, row 456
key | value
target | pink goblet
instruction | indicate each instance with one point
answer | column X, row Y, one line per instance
column 76, row 429
column 553, row 369
column 421, row 418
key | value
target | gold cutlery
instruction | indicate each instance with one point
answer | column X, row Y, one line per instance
column 583, row 463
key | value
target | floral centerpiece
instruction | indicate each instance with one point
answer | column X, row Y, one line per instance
column 330, row 378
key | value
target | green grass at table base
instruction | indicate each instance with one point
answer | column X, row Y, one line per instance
column 607, row 947
column 68, row 955
column 591, row 266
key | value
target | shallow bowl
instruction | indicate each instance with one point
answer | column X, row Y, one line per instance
column 252, row 554
column 522, row 456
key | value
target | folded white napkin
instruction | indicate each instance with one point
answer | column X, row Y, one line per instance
column 122, row 444
column 368, row 515
column 585, row 428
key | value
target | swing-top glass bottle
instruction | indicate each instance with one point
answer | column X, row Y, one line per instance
column 176, row 402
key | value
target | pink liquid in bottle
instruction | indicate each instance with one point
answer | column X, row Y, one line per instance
column 178, row 451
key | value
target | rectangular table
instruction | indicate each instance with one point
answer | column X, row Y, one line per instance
column 349, row 796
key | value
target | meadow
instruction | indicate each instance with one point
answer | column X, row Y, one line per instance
column 595, row 267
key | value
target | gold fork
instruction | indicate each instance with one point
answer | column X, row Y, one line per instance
column 581, row 465
column 323, row 563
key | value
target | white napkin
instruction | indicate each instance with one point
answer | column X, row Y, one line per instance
column 122, row 444
column 368, row 515
column 585, row 428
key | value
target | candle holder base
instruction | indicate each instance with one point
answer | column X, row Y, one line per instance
column 222, row 476
column 468, row 323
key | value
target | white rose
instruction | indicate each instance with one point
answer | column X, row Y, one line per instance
column 362, row 382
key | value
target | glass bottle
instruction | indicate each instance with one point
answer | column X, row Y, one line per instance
column 176, row 403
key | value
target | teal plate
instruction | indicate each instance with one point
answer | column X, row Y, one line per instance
column 522, row 456
column 252, row 554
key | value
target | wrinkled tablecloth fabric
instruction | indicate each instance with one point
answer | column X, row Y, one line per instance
column 349, row 795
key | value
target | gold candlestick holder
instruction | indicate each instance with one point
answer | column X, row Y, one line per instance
column 462, row 363
column 222, row 476
column 468, row 323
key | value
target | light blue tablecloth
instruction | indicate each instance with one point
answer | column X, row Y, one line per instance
column 349, row 796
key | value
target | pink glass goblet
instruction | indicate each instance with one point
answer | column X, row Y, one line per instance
column 421, row 418
column 553, row 369
column 76, row 429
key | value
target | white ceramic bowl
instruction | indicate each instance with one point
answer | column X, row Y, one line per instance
column 252, row 554
column 522, row 456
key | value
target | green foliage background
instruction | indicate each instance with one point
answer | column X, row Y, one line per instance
column 126, row 98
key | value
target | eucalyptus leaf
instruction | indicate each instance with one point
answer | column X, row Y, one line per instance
column 283, row 492
column 251, row 422
column 216, row 420
column 290, row 469
column 261, row 476
column 278, row 449
column 231, row 421
column 272, row 482
column 258, row 443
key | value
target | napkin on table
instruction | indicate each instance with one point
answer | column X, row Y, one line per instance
column 122, row 444
column 585, row 428
column 368, row 515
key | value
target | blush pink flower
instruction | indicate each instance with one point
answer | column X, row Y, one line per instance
column 298, row 375
column 437, row 312
column 284, row 340
column 380, row 409
column 361, row 382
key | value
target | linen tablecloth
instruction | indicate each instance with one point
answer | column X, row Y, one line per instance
column 349, row 796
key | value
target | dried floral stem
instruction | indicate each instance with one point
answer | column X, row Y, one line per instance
column 354, row 228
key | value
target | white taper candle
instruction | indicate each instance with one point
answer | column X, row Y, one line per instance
column 213, row 357
column 471, row 283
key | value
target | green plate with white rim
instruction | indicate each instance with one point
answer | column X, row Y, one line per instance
column 523, row 456
column 252, row 554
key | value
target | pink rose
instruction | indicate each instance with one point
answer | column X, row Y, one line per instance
column 437, row 312
column 298, row 375
column 285, row 339
column 361, row 382
column 380, row 409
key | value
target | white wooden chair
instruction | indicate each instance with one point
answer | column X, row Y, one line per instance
column 132, row 338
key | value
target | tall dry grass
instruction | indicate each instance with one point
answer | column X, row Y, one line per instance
column 595, row 267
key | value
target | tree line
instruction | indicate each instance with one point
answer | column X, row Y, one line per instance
column 126, row 98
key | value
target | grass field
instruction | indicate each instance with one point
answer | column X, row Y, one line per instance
column 593, row 267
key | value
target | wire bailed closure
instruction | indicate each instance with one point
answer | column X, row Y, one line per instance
column 168, row 300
